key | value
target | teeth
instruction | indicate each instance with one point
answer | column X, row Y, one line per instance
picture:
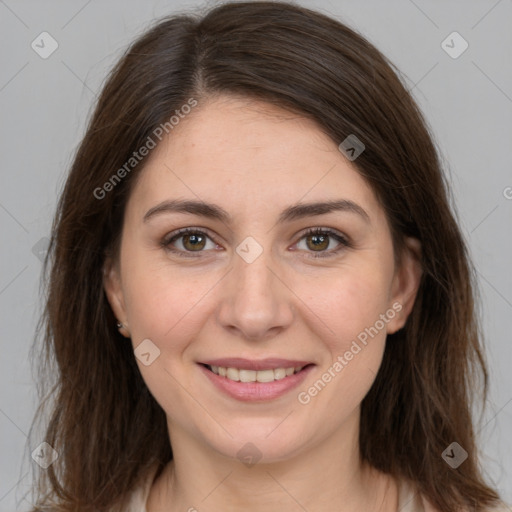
column 253, row 375
column 247, row 375
column 268, row 375
column 232, row 374
column 279, row 373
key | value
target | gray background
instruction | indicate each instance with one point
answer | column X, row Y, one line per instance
column 44, row 104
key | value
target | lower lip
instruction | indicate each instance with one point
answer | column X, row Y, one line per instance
column 256, row 391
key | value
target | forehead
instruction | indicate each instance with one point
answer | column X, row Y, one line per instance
column 250, row 156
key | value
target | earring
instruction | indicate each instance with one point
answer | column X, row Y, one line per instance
column 119, row 325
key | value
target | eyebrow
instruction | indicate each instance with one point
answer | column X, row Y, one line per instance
column 293, row 212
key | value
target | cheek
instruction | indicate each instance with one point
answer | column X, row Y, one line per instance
column 165, row 303
column 168, row 307
column 351, row 309
column 350, row 303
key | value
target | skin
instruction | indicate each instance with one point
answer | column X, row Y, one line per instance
column 254, row 160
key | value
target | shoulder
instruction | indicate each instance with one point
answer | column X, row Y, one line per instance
column 503, row 507
column 500, row 507
column 411, row 500
column 137, row 500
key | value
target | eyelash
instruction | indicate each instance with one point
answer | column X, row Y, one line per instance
column 344, row 243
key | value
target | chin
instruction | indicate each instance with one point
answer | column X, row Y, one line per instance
column 264, row 443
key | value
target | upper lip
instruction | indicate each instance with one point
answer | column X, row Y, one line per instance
column 255, row 364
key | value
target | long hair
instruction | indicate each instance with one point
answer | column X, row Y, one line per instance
column 100, row 417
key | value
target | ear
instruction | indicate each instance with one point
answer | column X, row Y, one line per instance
column 114, row 293
column 406, row 282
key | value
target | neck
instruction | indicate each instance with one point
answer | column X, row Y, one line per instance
column 326, row 476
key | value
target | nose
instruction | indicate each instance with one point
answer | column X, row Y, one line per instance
column 256, row 302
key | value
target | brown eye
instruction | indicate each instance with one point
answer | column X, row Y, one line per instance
column 317, row 242
column 187, row 241
column 194, row 242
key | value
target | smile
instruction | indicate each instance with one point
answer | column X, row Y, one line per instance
column 251, row 380
column 240, row 375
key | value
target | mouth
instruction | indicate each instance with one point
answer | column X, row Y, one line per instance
column 244, row 375
column 250, row 380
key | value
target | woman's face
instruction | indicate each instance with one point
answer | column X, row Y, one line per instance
column 250, row 289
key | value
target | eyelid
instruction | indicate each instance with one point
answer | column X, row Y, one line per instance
column 343, row 241
column 324, row 230
column 189, row 229
column 175, row 235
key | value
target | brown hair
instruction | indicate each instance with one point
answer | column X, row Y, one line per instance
column 106, row 426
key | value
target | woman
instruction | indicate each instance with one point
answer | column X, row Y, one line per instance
column 259, row 298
